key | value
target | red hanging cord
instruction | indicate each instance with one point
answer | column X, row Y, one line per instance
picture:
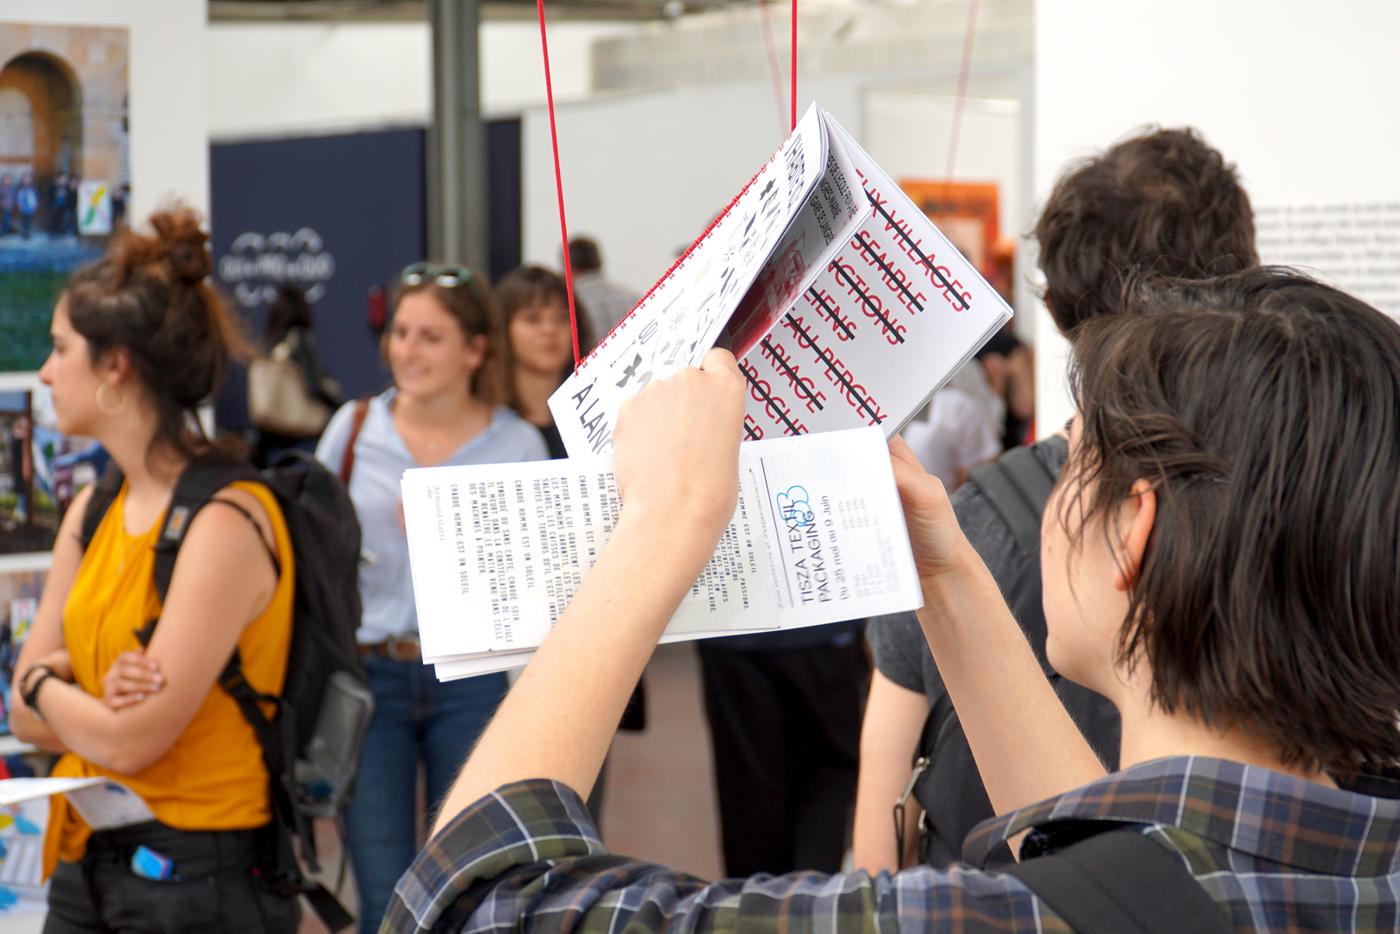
column 559, row 182
column 962, row 89
column 792, row 43
column 774, row 71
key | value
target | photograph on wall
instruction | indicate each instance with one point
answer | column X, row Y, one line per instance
column 41, row 469
column 64, row 169
column 19, row 602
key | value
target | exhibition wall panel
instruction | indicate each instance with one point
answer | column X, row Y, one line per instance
column 1291, row 92
column 168, row 110
column 338, row 216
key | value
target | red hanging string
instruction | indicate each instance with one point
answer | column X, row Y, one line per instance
column 792, row 43
column 774, row 71
column 559, row 183
column 962, row 89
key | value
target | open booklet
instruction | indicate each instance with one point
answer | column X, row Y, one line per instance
column 846, row 309
column 843, row 303
column 497, row 551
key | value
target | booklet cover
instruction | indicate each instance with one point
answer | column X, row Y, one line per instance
column 843, row 303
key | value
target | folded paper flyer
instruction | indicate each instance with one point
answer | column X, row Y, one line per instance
column 818, row 536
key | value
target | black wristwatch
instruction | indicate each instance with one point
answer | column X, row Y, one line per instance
column 30, row 684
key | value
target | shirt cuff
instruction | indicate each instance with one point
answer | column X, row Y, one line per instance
column 532, row 821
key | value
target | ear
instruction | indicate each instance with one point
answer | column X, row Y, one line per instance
column 477, row 346
column 113, row 365
column 1138, row 515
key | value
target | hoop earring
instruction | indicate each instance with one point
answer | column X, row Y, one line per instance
column 105, row 408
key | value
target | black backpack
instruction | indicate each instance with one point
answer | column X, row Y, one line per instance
column 311, row 746
column 1114, row 880
column 945, row 781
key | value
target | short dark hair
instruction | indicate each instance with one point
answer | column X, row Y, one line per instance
column 1263, row 407
column 584, row 255
column 1162, row 201
column 151, row 295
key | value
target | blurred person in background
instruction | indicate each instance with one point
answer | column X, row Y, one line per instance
column 607, row 302
column 1164, row 201
column 445, row 348
column 289, row 336
column 534, row 305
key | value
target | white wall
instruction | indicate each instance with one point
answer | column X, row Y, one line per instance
column 908, row 135
column 281, row 79
column 646, row 174
column 907, row 132
column 1299, row 96
column 167, row 108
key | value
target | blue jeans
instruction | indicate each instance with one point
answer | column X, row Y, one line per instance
column 416, row 720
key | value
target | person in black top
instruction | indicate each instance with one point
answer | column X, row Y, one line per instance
column 1162, row 202
column 534, row 304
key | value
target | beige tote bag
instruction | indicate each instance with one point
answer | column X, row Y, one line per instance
column 278, row 400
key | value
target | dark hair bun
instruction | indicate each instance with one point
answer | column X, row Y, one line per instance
column 182, row 244
column 179, row 245
column 152, row 295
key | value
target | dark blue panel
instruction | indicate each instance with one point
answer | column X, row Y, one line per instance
column 504, row 178
column 364, row 196
column 361, row 193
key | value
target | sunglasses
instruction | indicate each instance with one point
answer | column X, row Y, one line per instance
column 449, row 277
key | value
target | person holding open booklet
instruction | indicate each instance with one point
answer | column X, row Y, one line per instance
column 1192, row 575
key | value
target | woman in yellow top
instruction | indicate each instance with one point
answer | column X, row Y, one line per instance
column 140, row 338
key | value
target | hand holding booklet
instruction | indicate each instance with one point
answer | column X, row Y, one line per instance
column 846, row 309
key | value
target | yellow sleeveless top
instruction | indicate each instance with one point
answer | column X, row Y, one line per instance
column 213, row 777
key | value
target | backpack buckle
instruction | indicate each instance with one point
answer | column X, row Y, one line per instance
column 233, row 681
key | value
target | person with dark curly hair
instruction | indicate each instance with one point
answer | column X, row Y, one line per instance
column 446, row 407
column 140, row 339
column 1161, row 202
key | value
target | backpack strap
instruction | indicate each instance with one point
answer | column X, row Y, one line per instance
column 104, row 493
column 197, row 485
column 1017, row 484
column 1121, row 882
column 347, row 458
column 282, row 873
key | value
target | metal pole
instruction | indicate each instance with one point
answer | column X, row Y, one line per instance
column 457, row 209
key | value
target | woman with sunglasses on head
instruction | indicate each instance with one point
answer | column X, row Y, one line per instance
column 140, row 338
column 444, row 350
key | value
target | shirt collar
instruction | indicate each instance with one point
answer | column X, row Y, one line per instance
column 1269, row 815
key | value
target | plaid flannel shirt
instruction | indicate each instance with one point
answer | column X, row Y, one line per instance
column 1276, row 853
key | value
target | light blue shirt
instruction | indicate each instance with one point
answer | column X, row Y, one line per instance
column 386, row 585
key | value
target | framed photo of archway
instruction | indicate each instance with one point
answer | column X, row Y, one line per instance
column 64, row 168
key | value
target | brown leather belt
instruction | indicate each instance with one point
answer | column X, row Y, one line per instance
column 403, row 648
